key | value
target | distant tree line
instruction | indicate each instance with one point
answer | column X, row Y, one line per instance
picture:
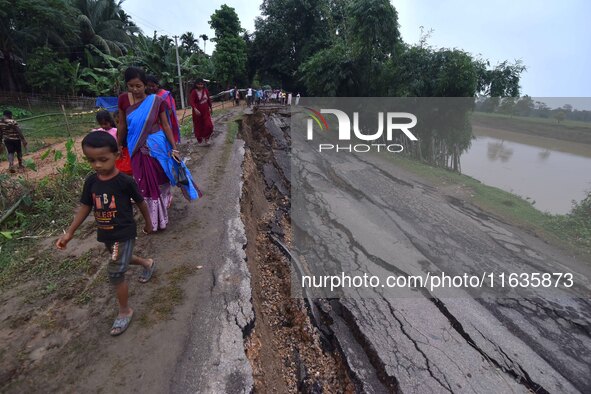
column 315, row 47
column 527, row 106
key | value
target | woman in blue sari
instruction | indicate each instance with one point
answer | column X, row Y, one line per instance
column 155, row 160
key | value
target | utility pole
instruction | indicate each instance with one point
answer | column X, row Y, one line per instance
column 178, row 65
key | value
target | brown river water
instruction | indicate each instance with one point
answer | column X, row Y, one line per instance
column 550, row 172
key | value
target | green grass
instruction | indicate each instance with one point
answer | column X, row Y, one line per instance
column 165, row 298
column 565, row 130
column 233, row 128
column 571, row 230
column 537, row 120
column 42, row 129
column 187, row 129
column 47, row 209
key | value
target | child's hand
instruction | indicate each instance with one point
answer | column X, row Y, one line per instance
column 148, row 228
column 62, row 243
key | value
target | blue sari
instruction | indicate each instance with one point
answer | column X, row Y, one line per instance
column 145, row 137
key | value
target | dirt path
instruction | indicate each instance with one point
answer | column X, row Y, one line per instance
column 199, row 277
column 48, row 166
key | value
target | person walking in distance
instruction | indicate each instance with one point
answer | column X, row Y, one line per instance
column 12, row 135
column 201, row 106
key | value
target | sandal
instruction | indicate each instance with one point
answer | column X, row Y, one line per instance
column 147, row 273
column 121, row 324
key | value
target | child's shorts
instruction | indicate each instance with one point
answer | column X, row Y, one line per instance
column 14, row 146
column 120, row 257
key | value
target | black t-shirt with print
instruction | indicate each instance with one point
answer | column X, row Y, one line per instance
column 112, row 206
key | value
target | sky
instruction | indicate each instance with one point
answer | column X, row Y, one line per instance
column 551, row 37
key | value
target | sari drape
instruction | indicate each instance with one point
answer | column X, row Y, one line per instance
column 171, row 113
column 151, row 160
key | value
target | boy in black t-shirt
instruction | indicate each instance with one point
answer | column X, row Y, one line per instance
column 110, row 192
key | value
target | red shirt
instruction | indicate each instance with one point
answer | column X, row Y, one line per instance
column 194, row 101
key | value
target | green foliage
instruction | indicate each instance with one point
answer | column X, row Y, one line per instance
column 373, row 29
column 288, row 34
column 30, row 164
column 17, row 112
column 502, row 80
column 330, row 72
column 229, row 59
column 49, row 73
column 225, row 22
column 104, row 25
column 51, row 202
column 73, row 167
column 189, row 42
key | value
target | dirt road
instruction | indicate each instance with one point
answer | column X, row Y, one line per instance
column 188, row 321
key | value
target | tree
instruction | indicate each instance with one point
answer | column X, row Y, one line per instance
column 559, row 115
column 157, row 56
column 501, row 81
column 373, row 26
column 189, row 42
column 507, row 106
column 225, row 22
column 287, row 35
column 542, row 110
column 47, row 73
column 105, row 25
column 330, row 72
column 29, row 24
column 204, row 38
column 524, row 106
column 229, row 57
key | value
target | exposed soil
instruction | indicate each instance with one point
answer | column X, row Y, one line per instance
column 285, row 347
column 44, row 167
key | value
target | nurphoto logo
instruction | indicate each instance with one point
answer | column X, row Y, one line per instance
column 393, row 123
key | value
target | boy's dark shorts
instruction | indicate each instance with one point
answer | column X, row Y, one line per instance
column 119, row 259
column 14, row 146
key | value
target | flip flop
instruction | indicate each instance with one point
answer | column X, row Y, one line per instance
column 147, row 273
column 121, row 323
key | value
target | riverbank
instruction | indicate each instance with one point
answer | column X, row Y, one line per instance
column 565, row 231
column 566, row 130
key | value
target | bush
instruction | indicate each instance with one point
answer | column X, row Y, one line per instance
column 17, row 113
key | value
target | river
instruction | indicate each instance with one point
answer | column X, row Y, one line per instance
column 549, row 172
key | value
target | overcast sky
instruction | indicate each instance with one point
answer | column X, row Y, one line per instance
column 551, row 37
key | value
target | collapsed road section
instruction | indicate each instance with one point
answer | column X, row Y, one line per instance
column 387, row 344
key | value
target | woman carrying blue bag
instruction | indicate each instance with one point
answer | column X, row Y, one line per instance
column 155, row 160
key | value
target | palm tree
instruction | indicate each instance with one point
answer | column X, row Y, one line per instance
column 189, row 42
column 105, row 25
column 28, row 25
column 204, row 38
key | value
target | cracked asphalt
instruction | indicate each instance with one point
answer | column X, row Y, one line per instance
column 359, row 213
